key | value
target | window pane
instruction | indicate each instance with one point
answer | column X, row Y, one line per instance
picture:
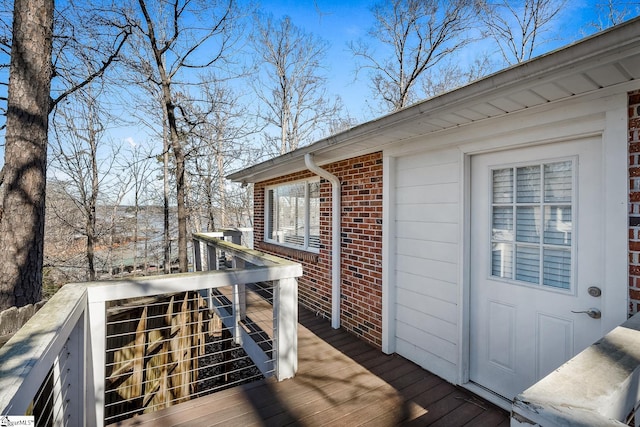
column 502, row 224
column 503, row 186
column 502, row 260
column 557, row 225
column 528, row 224
column 528, row 184
column 528, row 264
column 557, row 268
column 557, row 182
column 289, row 207
column 314, row 215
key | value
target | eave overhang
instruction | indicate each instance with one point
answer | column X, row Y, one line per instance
column 603, row 60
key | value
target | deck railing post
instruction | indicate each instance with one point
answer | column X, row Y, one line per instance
column 212, row 264
column 238, row 297
column 57, row 391
column 75, row 379
column 285, row 323
column 95, row 362
column 197, row 256
column 236, row 237
column 212, row 257
column 241, row 289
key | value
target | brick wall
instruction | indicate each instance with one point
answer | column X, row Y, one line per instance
column 361, row 242
column 634, row 202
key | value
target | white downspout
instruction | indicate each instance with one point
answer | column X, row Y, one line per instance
column 335, row 237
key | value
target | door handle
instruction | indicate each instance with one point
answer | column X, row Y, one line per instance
column 594, row 313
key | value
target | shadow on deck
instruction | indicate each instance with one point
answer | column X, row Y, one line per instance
column 341, row 380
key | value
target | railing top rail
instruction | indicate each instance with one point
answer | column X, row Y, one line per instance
column 32, row 349
column 251, row 255
column 157, row 285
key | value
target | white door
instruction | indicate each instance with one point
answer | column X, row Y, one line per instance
column 536, row 250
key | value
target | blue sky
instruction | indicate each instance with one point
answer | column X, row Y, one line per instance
column 339, row 22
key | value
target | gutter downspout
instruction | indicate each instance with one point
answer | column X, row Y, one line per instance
column 335, row 237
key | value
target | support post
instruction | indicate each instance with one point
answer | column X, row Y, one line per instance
column 212, row 264
column 212, row 258
column 76, row 375
column 95, row 362
column 242, row 289
column 238, row 293
column 197, row 256
column 285, row 324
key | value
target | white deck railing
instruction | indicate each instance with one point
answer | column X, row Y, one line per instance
column 598, row 387
column 61, row 350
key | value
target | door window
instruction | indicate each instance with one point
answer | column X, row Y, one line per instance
column 532, row 224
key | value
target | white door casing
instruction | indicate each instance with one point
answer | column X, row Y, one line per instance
column 534, row 254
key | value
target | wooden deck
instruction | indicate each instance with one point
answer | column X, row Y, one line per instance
column 341, row 381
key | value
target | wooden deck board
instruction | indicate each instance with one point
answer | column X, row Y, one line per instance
column 340, row 381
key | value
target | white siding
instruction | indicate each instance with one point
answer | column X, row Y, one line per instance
column 427, row 195
column 427, row 276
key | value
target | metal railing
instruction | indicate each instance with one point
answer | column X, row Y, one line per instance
column 62, row 365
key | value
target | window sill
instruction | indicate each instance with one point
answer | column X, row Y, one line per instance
column 296, row 254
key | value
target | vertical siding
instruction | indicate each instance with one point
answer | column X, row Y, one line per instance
column 427, row 251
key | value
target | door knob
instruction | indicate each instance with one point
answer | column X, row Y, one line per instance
column 594, row 313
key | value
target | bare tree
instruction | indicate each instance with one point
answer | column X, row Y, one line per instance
column 417, row 34
column 88, row 40
column 138, row 163
column 613, row 12
column 518, row 27
column 454, row 75
column 79, row 137
column 64, row 250
column 291, row 84
column 120, row 189
column 215, row 143
column 183, row 35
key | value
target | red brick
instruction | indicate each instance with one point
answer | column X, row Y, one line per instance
column 361, row 287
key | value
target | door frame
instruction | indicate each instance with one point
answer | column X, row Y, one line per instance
column 615, row 213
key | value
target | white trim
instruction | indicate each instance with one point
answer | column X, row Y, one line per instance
column 615, row 206
column 464, row 259
column 267, row 215
column 615, row 185
column 388, row 254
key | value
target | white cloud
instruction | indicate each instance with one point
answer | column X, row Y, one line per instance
column 130, row 141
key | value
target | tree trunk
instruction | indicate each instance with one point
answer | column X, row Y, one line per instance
column 93, row 197
column 180, row 193
column 23, row 192
column 221, row 188
column 165, row 181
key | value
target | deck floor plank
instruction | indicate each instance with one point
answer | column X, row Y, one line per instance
column 341, row 380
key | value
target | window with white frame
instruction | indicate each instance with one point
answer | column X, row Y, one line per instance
column 292, row 215
column 532, row 224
